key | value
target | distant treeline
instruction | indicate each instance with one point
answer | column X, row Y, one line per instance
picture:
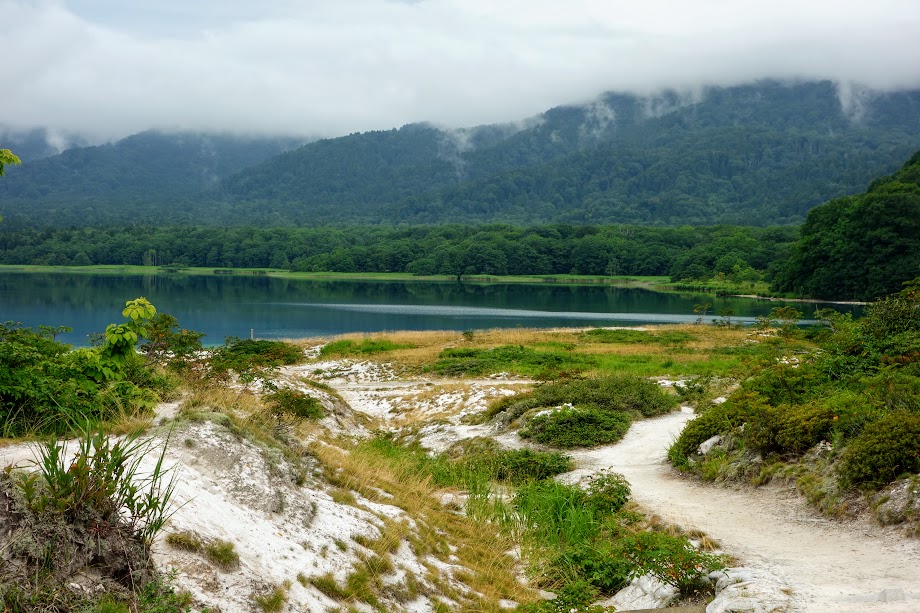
column 739, row 253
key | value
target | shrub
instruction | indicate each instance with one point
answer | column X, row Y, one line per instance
column 575, row 597
column 577, row 427
column 365, row 347
column 804, row 426
column 883, row 450
column 294, row 402
column 167, row 343
column 671, row 337
column 671, row 559
column 522, row 465
column 47, row 388
column 717, row 419
column 251, row 358
column 611, row 393
column 472, row 361
column 597, row 563
column 607, row 493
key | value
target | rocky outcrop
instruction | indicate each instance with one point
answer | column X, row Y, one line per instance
column 746, row 590
column 645, row 592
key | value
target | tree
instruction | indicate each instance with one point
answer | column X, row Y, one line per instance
column 7, row 157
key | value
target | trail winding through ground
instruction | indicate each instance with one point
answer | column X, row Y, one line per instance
column 832, row 566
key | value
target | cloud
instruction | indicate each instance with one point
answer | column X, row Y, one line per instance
column 108, row 68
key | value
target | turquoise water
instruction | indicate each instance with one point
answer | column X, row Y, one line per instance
column 232, row 305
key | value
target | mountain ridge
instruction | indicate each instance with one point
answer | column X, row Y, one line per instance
column 762, row 153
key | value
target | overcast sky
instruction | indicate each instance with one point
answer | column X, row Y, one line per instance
column 108, row 68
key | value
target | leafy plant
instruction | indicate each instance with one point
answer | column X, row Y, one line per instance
column 671, row 559
column 102, row 480
column 883, row 450
column 294, row 402
column 252, row 359
column 608, row 492
column 575, row 597
column 517, row 358
column 45, row 387
column 365, row 347
column 167, row 343
column 576, row 427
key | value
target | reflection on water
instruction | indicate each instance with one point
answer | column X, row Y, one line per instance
column 224, row 306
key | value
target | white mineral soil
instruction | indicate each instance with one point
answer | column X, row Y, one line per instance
column 229, row 490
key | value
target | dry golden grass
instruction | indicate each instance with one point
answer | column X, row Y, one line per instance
column 220, row 399
column 480, row 547
column 427, row 345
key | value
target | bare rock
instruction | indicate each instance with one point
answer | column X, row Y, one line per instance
column 707, row 445
column 899, row 502
column 645, row 592
column 746, row 590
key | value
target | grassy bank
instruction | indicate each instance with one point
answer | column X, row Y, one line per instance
column 633, row 281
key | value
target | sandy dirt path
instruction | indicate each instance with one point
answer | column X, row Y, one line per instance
column 832, row 566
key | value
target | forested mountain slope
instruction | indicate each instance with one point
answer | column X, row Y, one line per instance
column 763, row 153
column 99, row 184
column 860, row 247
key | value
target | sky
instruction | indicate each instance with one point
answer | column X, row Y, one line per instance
column 108, row 68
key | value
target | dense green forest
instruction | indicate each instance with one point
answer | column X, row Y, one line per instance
column 740, row 253
column 87, row 185
column 758, row 154
column 860, row 247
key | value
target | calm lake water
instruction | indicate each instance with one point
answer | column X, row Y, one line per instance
column 223, row 306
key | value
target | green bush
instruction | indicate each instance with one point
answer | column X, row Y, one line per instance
column 48, row 388
column 179, row 349
column 523, row 465
column 525, row 360
column 597, row 563
column 786, row 383
column 574, row 597
column 577, row 427
column 671, row 559
column 630, row 337
column 608, row 492
column 802, row 427
column 365, row 347
column 619, row 392
column 717, row 419
column 883, row 451
column 294, row 402
column 248, row 358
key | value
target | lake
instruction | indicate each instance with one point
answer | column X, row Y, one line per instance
column 274, row 307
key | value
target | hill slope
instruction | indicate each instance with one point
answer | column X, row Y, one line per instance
column 860, row 247
column 102, row 184
column 763, row 153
